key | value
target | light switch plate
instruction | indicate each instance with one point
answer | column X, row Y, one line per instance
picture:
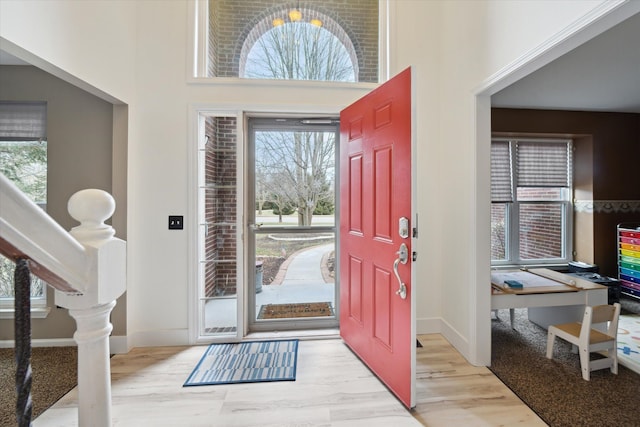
column 176, row 222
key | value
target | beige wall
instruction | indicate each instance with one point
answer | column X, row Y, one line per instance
column 79, row 150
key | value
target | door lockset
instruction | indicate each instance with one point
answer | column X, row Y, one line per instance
column 403, row 227
column 403, row 256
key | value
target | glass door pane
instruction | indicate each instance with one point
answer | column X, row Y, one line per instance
column 293, row 234
column 218, row 272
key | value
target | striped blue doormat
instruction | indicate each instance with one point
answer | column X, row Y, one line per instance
column 246, row 362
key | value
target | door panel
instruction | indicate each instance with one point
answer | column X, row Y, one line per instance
column 376, row 322
column 382, row 301
column 355, row 291
column 383, row 181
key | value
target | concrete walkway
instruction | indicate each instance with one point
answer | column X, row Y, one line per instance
column 305, row 266
column 303, row 282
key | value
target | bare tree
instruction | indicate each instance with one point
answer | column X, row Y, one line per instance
column 261, row 193
column 277, row 189
column 298, row 169
column 299, row 51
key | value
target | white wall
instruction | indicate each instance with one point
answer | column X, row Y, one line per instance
column 455, row 46
column 89, row 41
column 159, row 184
column 478, row 41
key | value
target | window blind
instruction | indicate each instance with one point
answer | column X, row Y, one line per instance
column 23, row 121
column 542, row 164
column 501, row 174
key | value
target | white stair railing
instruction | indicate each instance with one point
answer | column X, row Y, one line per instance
column 87, row 268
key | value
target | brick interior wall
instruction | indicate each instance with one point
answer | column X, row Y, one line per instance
column 540, row 226
column 540, row 231
column 233, row 20
column 498, row 244
column 220, row 206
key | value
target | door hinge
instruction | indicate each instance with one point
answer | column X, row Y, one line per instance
column 414, row 255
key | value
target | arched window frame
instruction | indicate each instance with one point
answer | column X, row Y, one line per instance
column 329, row 24
column 198, row 46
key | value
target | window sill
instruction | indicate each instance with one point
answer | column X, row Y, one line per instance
column 36, row 313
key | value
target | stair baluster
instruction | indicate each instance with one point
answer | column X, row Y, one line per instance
column 22, row 331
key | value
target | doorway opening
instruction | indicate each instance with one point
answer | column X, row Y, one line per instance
column 267, row 215
column 291, row 213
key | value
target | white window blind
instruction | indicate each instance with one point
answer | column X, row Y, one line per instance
column 543, row 164
column 23, row 121
column 501, row 176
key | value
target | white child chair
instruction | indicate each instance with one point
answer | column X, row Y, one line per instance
column 589, row 339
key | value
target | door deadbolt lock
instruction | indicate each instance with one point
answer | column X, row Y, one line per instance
column 403, row 227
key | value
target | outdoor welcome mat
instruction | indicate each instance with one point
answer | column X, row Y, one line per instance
column 246, row 362
column 284, row 311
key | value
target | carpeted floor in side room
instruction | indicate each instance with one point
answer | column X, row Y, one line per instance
column 554, row 389
column 54, row 373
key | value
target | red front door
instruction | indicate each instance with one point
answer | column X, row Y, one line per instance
column 376, row 317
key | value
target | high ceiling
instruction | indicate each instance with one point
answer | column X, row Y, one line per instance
column 600, row 75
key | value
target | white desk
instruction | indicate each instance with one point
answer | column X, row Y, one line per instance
column 550, row 305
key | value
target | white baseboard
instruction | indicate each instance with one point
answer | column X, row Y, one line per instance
column 117, row 344
column 460, row 343
column 159, row 338
column 43, row 342
column 432, row 325
column 437, row 325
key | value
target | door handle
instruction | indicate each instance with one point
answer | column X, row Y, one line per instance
column 403, row 256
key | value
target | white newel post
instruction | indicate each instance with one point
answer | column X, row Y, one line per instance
column 92, row 308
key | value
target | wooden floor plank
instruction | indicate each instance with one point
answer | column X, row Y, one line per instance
column 332, row 389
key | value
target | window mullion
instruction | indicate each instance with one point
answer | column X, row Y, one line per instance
column 514, row 227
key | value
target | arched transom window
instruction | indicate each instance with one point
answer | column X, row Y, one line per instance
column 299, row 44
column 332, row 40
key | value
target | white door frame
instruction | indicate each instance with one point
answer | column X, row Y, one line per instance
column 197, row 113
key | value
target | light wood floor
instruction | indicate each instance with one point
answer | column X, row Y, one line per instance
column 333, row 388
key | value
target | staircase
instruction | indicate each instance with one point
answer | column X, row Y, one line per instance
column 87, row 268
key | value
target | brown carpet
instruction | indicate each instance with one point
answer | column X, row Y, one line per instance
column 285, row 311
column 54, row 374
column 554, row 389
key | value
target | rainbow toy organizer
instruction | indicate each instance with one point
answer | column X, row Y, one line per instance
column 629, row 258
